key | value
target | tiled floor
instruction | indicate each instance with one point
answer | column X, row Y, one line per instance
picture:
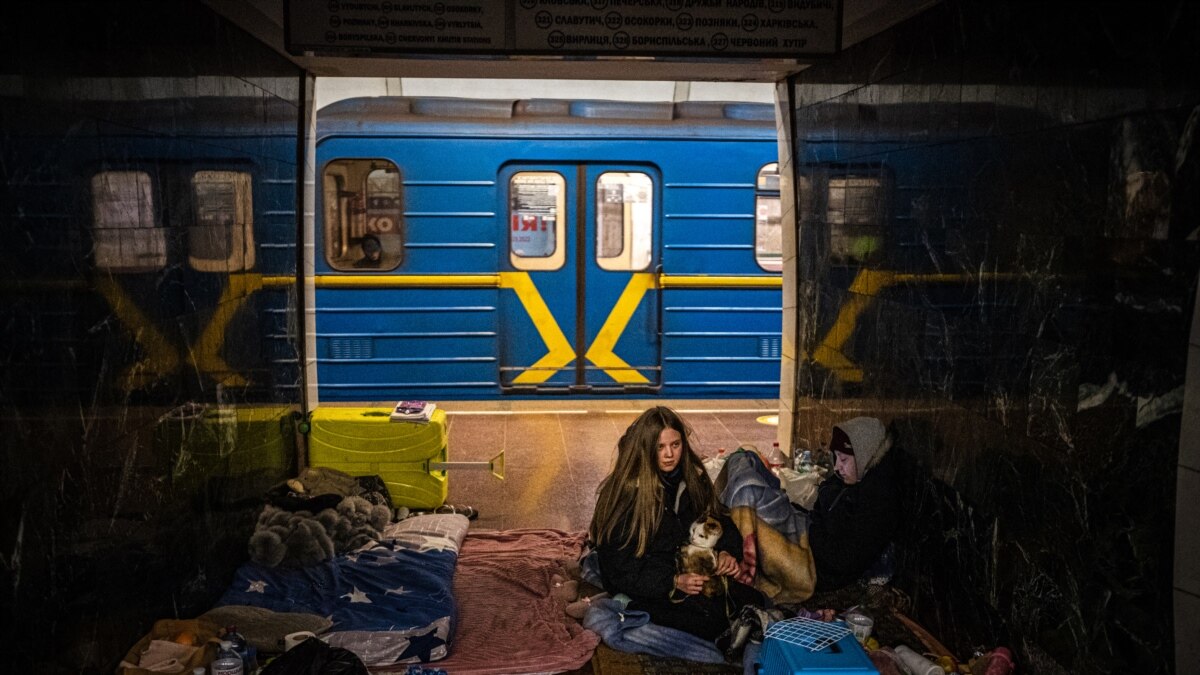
column 556, row 452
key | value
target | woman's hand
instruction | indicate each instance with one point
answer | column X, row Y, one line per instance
column 727, row 565
column 690, row 583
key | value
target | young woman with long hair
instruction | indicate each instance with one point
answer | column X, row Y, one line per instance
column 644, row 511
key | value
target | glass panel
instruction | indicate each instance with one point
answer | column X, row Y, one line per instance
column 855, row 217
column 624, row 220
column 854, row 201
column 221, row 237
column 768, row 177
column 536, row 204
column 125, row 232
column 364, row 215
column 768, row 229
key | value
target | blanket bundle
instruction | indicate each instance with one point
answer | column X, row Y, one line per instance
column 318, row 515
column 785, row 569
column 510, row 586
column 300, row 539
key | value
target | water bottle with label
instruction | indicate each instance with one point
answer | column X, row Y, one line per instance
column 228, row 662
column 775, row 460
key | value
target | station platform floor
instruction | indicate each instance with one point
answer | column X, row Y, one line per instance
column 557, row 452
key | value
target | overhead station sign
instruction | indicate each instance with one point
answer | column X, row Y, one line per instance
column 672, row 28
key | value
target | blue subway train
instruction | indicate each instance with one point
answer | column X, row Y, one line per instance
column 474, row 249
column 471, row 249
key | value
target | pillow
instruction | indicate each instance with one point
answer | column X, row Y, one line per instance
column 435, row 531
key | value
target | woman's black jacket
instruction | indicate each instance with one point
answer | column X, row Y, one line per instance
column 851, row 525
column 649, row 579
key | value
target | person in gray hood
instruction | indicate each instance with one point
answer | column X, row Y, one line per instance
column 857, row 510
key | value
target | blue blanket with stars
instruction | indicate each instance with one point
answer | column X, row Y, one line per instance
column 391, row 602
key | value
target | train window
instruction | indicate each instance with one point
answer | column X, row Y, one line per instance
column 624, row 220
column 768, row 227
column 536, row 202
column 855, row 217
column 126, row 233
column 364, row 215
column 221, row 237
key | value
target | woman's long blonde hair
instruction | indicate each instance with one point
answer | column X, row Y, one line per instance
column 632, row 495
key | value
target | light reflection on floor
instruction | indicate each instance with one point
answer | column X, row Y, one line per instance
column 556, row 452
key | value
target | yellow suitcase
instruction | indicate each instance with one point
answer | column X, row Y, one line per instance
column 364, row 441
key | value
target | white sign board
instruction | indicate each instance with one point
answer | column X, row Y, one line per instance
column 396, row 26
column 673, row 28
column 705, row 28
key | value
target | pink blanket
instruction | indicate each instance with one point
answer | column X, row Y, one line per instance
column 507, row 620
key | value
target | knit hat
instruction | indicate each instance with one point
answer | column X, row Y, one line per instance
column 840, row 442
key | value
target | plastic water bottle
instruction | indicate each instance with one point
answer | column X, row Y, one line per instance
column 238, row 641
column 228, row 662
column 915, row 663
column 775, row 460
column 804, row 462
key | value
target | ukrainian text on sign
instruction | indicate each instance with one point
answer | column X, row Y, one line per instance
column 695, row 28
column 394, row 25
column 716, row 28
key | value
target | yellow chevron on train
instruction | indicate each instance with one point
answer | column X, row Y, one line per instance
column 830, row 352
column 161, row 357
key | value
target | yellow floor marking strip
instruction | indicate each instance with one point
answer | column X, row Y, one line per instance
column 688, row 411
column 161, row 358
column 866, row 286
column 600, row 353
column 518, row 412
column 560, row 352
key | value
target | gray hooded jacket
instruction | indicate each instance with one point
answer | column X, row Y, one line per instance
column 851, row 525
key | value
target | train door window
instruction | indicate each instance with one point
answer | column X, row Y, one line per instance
column 768, row 227
column 536, row 205
column 855, row 217
column 221, row 236
column 126, row 233
column 624, row 220
column 364, row 215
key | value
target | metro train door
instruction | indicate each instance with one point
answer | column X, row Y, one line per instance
column 580, row 302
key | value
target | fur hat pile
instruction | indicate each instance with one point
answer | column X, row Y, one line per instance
column 299, row 538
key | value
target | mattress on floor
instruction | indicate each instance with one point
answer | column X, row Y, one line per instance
column 390, row 603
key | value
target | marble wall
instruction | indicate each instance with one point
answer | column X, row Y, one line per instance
column 148, row 373
column 997, row 250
